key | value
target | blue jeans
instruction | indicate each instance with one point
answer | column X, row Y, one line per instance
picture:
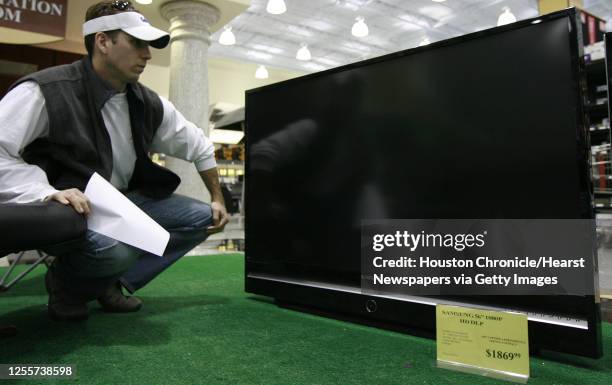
column 91, row 264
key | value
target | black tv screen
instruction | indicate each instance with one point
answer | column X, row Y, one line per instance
column 487, row 125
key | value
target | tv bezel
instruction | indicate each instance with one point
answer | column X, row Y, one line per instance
column 608, row 65
column 416, row 315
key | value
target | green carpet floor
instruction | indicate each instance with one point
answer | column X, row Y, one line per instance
column 198, row 326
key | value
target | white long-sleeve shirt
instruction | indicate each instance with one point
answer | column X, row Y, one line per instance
column 23, row 118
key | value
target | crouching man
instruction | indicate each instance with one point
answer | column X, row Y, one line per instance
column 60, row 125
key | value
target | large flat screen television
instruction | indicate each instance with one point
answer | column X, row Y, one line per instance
column 486, row 125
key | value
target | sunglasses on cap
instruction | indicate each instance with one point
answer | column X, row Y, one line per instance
column 122, row 5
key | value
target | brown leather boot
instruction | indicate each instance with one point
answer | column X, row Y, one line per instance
column 114, row 301
column 62, row 306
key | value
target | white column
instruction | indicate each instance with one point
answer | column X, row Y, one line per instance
column 190, row 23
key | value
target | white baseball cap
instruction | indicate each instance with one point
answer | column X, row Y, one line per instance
column 132, row 23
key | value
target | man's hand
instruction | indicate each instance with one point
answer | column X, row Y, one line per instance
column 220, row 218
column 72, row 197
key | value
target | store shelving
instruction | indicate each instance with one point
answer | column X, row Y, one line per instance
column 599, row 131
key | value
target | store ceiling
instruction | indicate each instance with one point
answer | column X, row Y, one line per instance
column 325, row 25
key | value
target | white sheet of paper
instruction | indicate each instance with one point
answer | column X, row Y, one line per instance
column 114, row 215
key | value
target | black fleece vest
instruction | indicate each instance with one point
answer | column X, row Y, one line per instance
column 78, row 143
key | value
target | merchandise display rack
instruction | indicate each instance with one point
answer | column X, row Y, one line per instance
column 600, row 135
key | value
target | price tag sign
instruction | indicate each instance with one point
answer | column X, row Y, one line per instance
column 491, row 343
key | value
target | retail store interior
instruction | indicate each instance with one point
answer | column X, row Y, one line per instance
column 198, row 324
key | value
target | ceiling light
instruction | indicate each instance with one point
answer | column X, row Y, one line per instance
column 145, row 2
column 438, row 1
column 303, row 53
column 506, row 17
column 423, row 42
column 360, row 28
column 227, row 36
column 262, row 72
column 276, row 7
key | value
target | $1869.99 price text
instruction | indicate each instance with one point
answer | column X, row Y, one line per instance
column 501, row 355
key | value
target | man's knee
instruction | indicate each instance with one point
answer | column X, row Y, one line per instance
column 96, row 255
column 200, row 215
column 115, row 260
column 176, row 212
column 190, row 214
